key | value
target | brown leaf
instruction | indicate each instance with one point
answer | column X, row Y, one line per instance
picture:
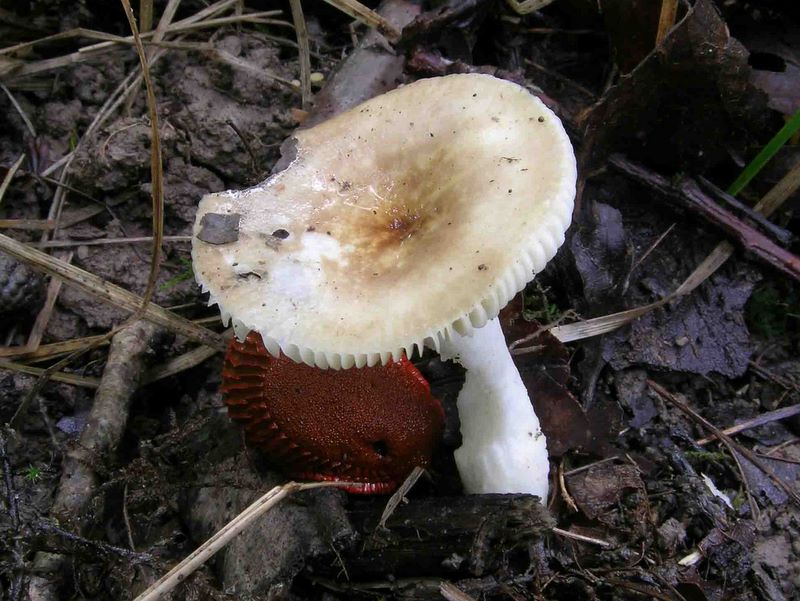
column 545, row 372
column 688, row 104
column 631, row 27
column 599, row 490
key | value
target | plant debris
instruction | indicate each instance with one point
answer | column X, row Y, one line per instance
column 674, row 438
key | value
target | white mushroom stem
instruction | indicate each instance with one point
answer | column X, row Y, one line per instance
column 503, row 448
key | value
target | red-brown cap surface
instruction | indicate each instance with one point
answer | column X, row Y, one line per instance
column 371, row 425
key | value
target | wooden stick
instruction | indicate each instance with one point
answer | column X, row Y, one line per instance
column 781, row 235
column 686, row 194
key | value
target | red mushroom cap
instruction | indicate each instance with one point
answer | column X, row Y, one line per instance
column 370, row 425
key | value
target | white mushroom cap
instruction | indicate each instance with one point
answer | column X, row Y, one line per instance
column 419, row 212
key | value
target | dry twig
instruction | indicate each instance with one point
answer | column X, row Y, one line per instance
column 760, row 420
column 771, row 201
column 727, row 441
column 687, row 194
column 233, row 528
column 99, row 439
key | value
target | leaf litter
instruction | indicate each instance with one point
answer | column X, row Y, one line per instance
column 635, row 514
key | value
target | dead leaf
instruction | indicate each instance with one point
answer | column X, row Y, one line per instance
column 599, row 248
column 631, row 27
column 730, row 549
column 700, row 334
column 689, row 103
column 633, row 392
column 600, row 490
column 545, row 373
column 775, row 57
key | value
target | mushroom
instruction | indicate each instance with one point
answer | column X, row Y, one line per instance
column 407, row 221
column 370, row 425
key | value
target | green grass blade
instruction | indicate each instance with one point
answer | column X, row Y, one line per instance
column 769, row 151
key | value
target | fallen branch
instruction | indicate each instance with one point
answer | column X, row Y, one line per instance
column 781, row 235
column 686, row 193
column 107, row 420
column 99, row 439
column 470, row 534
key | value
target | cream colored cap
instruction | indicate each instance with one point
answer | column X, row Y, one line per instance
column 422, row 210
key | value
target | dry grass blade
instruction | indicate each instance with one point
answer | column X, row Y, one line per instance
column 43, row 317
column 17, row 69
column 156, row 167
column 166, row 20
column 727, row 441
column 145, row 15
column 10, row 175
column 397, row 498
column 233, row 61
column 305, row 57
column 49, row 351
column 73, row 379
column 581, row 538
column 109, row 241
column 99, row 288
column 54, row 371
column 78, row 32
column 27, row 224
column 228, row 532
column 601, row 325
column 258, row 17
column 451, row 592
column 366, row 15
column 53, row 350
column 181, row 363
column 18, row 108
column 197, row 21
column 666, row 19
column 771, row 201
column 106, row 111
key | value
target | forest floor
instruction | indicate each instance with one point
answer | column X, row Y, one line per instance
column 667, row 316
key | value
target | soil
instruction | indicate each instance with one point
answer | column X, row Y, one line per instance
column 665, row 517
